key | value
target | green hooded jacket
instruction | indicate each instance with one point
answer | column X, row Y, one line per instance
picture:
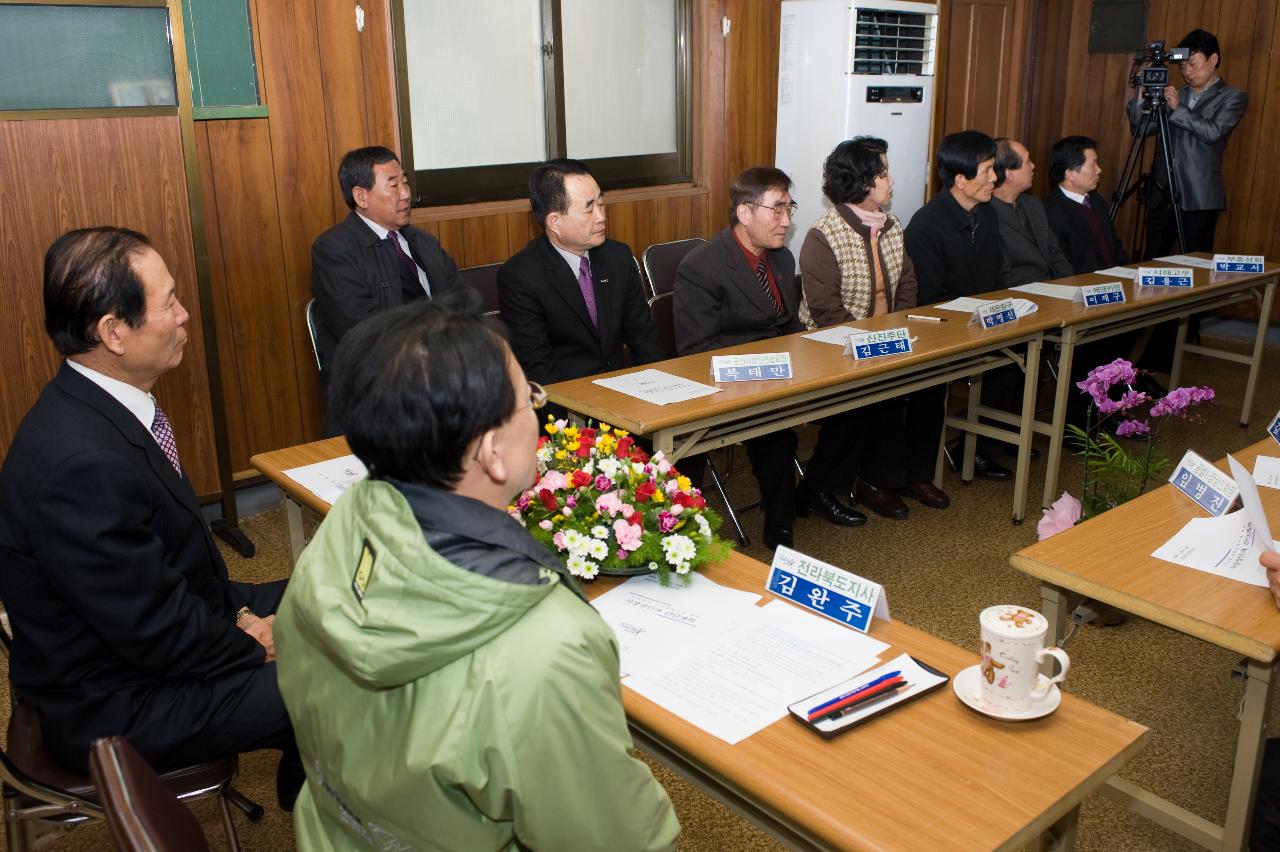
column 440, row 709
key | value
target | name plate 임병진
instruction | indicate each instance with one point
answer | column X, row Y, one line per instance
column 827, row 590
column 1165, row 276
column 995, row 313
column 877, row 344
column 1273, row 429
column 751, row 368
column 1106, row 293
column 1238, row 263
column 1208, row 487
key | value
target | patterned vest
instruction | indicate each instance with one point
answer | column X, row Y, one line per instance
column 855, row 264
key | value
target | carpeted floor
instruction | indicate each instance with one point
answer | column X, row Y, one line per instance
column 940, row 568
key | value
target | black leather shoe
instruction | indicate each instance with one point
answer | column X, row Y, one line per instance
column 826, row 504
column 881, row 501
column 988, row 468
column 779, row 537
column 927, row 493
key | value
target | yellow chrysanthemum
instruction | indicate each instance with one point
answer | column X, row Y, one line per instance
column 604, row 428
column 551, row 428
column 571, row 432
column 658, row 496
column 683, row 483
column 619, row 433
column 561, row 455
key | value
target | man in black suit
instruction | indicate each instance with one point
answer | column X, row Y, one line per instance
column 571, row 298
column 373, row 259
column 124, row 620
column 1031, row 251
column 740, row 287
column 1076, row 210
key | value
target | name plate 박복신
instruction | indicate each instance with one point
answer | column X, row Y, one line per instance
column 1238, row 263
column 827, row 590
column 1106, row 293
column 751, row 368
column 877, row 344
column 1209, row 488
column 995, row 313
column 1165, row 276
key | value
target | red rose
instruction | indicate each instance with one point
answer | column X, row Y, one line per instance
column 636, row 520
column 580, row 478
column 699, row 502
column 587, row 436
column 682, row 499
column 639, row 456
column 584, row 451
column 644, row 491
column 542, row 440
column 624, row 447
column 548, row 499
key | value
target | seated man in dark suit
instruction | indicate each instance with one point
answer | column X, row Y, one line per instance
column 739, row 287
column 373, row 259
column 1076, row 210
column 571, row 298
column 1031, row 251
column 124, row 620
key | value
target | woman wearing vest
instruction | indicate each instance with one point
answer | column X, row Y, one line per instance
column 853, row 266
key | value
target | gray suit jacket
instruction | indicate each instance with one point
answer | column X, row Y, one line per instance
column 1031, row 252
column 1197, row 137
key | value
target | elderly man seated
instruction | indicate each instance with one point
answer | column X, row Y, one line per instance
column 450, row 686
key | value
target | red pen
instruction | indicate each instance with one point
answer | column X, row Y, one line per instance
column 892, row 683
column 870, row 699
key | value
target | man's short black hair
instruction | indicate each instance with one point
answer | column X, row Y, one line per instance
column 88, row 273
column 750, row 187
column 414, row 386
column 356, row 169
column 1067, row 155
column 851, row 169
column 961, row 154
column 547, row 194
column 1202, row 41
column 1007, row 159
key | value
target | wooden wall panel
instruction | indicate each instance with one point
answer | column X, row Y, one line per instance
column 984, row 71
column 751, row 83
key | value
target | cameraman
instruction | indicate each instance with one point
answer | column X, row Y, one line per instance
column 1202, row 115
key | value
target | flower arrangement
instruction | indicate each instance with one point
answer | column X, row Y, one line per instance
column 606, row 506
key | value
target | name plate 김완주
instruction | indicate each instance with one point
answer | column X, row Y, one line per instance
column 1165, row 276
column 1106, row 293
column 1238, row 263
column 827, row 590
column 1209, row 488
column 876, row 344
column 1273, row 429
column 751, row 368
column 995, row 313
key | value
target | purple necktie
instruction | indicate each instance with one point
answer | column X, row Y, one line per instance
column 164, row 437
column 588, row 289
column 410, row 265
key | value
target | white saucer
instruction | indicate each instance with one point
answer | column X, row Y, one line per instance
column 967, row 685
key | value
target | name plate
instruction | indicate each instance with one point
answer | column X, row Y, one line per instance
column 751, row 368
column 1106, row 293
column 1209, row 488
column 876, row 344
column 1274, row 428
column 826, row 589
column 1238, row 263
column 1165, row 276
column 993, row 314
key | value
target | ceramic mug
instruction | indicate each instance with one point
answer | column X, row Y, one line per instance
column 1012, row 650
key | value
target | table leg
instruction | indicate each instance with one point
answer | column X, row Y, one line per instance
column 1268, row 295
column 1055, row 605
column 1026, row 428
column 293, row 525
column 1175, row 371
column 1061, row 836
column 1066, row 353
column 971, row 438
column 1253, row 736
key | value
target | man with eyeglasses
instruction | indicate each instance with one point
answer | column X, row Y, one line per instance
column 450, row 686
column 740, row 287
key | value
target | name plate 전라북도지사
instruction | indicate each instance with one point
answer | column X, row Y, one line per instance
column 1106, row 293
column 995, row 313
column 751, row 368
column 1209, row 488
column 877, row 344
column 1165, row 276
column 827, row 590
column 1239, row 263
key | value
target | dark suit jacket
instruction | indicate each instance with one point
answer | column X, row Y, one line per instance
column 354, row 274
column 122, row 612
column 550, row 330
column 1066, row 220
column 719, row 302
column 951, row 258
column 1198, row 135
column 1031, row 251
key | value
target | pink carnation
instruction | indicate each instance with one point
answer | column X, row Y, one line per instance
column 603, row 483
column 1062, row 515
column 546, row 525
column 609, row 504
column 558, row 540
column 628, row 535
column 552, row 480
column 666, row 522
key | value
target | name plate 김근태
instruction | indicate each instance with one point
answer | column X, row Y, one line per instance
column 1106, row 293
column 995, row 313
column 827, row 590
column 751, row 368
column 1238, row 263
column 877, row 344
column 1165, row 276
column 1209, row 488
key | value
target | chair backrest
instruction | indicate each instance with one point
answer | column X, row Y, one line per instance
column 141, row 811
column 311, row 332
column 661, row 261
column 663, row 317
column 484, row 280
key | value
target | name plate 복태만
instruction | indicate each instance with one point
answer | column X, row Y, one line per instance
column 1106, row 293
column 1238, row 263
column 996, row 313
column 826, row 589
column 751, row 368
column 1165, row 276
column 1210, row 488
column 1274, row 428
column 876, row 344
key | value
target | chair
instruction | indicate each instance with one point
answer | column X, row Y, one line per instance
column 484, row 280
column 311, row 332
column 142, row 813
column 661, row 261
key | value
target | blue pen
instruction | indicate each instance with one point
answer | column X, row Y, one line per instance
column 854, row 692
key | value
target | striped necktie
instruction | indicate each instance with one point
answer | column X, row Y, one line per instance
column 762, row 275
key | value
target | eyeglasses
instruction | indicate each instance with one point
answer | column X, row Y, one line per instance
column 780, row 210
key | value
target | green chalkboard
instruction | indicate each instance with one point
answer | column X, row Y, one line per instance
column 224, row 80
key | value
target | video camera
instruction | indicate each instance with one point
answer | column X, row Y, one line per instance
column 1155, row 76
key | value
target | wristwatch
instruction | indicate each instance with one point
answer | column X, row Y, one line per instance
column 242, row 614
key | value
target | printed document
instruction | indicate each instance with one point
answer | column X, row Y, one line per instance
column 1266, row 471
column 657, row 387
column 839, row 335
column 968, row 304
column 1119, row 272
column 1188, row 260
column 1228, row 546
column 328, row 479
column 1053, row 291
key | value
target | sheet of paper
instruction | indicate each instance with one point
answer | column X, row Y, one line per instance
column 1023, row 307
column 1187, row 260
column 1118, row 272
column 657, row 387
column 964, row 305
column 328, row 479
column 1266, row 471
column 1252, row 503
column 743, row 680
column 657, row 624
column 837, row 335
column 1225, row 546
column 1053, row 291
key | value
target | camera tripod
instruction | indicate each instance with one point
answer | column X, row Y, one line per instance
column 1155, row 109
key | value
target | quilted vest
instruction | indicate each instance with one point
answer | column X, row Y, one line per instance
column 855, row 263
